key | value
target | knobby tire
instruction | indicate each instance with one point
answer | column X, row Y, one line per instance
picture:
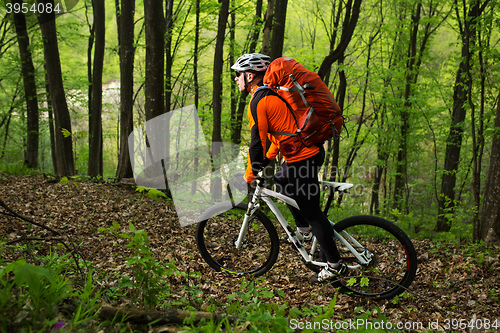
column 216, row 235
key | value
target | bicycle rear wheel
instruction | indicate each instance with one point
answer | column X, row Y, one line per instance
column 393, row 262
column 216, row 237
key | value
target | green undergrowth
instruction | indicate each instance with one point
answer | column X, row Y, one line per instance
column 48, row 293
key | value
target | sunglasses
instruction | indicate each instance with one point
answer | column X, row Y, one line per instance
column 238, row 73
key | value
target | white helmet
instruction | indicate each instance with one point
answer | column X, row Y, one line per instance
column 254, row 62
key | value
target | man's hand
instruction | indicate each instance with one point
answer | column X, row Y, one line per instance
column 265, row 162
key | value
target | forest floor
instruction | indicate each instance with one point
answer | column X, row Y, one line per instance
column 454, row 281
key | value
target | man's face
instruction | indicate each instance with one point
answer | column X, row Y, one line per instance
column 240, row 81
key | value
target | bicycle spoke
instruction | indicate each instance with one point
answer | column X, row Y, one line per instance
column 391, row 258
column 218, row 242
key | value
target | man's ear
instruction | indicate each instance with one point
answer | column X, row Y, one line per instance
column 250, row 76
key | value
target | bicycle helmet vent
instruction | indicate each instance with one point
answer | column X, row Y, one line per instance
column 255, row 62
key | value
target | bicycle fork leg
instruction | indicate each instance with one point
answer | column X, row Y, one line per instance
column 243, row 232
column 252, row 207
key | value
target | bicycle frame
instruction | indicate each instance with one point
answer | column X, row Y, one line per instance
column 261, row 193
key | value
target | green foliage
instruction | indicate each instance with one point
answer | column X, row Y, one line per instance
column 64, row 181
column 257, row 308
column 33, row 296
column 375, row 97
column 151, row 192
column 148, row 282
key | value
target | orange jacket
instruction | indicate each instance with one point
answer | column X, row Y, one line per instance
column 267, row 112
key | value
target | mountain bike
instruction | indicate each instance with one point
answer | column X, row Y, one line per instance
column 241, row 239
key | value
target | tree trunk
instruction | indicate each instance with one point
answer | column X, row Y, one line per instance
column 278, row 34
column 196, row 88
column 490, row 217
column 52, row 132
column 446, row 202
column 95, row 117
column 196, row 56
column 126, row 19
column 340, row 98
column 268, row 26
column 118, row 20
column 257, row 25
column 235, row 94
column 155, row 51
column 350, row 22
column 6, row 120
column 63, row 143
column 401, row 181
column 478, row 135
column 28, row 70
column 237, row 117
column 216, row 185
column 337, row 54
column 169, row 59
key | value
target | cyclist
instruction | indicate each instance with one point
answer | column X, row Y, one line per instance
column 297, row 177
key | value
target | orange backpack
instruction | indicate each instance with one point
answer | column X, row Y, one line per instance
column 315, row 111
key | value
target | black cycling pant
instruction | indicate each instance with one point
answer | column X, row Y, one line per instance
column 299, row 180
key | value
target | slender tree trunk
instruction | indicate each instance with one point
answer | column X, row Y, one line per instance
column 217, row 93
column 126, row 23
column 478, row 136
column 257, row 25
column 340, row 98
column 169, row 16
column 6, row 120
column 337, row 54
column 379, row 172
column 52, row 132
column 118, row 20
column 237, row 117
column 154, row 85
column 6, row 135
column 348, row 27
column 196, row 56
column 268, row 27
column 490, row 216
column 64, row 147
column 155, row 53
column 401, row 181
column 232, row 56
column 278, row 35
column 28, row 70
column 196, row 88
column 95, row 117
column 460, row 98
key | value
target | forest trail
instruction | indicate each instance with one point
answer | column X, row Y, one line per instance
column 454, row 281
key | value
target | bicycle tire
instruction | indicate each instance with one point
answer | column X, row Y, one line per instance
column 215, row 237
column 394, row 264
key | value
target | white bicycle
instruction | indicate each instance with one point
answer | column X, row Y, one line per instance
column 241, row 239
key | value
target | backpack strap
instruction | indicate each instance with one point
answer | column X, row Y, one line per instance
column 274, row 93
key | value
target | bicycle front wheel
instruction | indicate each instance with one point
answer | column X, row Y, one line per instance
column 216, row 237
column 392, row 258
